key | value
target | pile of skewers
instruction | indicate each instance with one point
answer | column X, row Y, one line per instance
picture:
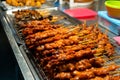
column 75, row 53
column 25, row 15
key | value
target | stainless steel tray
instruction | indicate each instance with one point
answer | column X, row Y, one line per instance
column 46, row 5
column 37, row 71
column 67, row 20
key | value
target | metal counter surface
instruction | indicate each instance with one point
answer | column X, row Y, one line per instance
column 29, row 74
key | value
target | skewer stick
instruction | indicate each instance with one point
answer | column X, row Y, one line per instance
column 115, row 72
column 84, row 24
column 109, row 63
column 114, row 57
column 98, row 54
column 75, row 28
column 106, row 32
column 96, row 25
column 109, row 59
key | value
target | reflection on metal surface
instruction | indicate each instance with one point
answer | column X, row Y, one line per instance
column 20, row 59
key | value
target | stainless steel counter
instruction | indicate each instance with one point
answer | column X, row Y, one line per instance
column 27, row 74
column 24, row 64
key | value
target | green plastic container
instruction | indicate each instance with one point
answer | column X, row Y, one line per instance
column 112, row 0
column 113, row 8
column 113, row 4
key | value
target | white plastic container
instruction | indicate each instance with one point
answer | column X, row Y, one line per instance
column 73, row 4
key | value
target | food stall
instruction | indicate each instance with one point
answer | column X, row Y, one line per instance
column 49, row 44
